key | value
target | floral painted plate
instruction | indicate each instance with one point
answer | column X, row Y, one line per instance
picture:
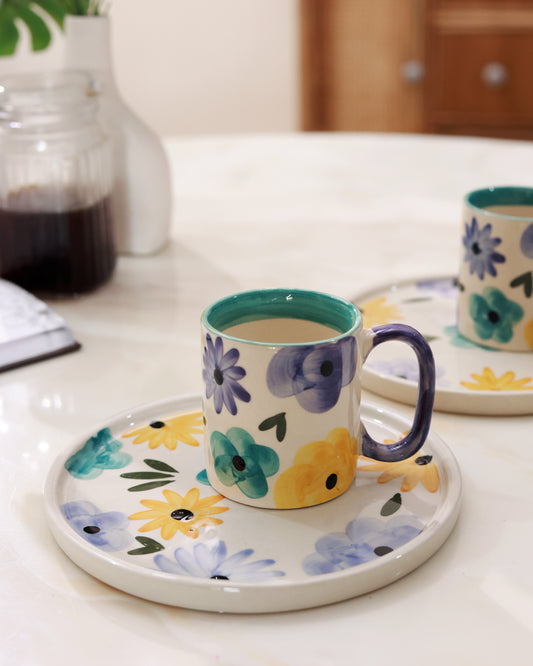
column 130, row 504
column 470, row 379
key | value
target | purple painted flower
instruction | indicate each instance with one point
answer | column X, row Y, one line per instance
column 365, row 539
column 215, row 564
column 479, row 249
column 313, row 374
column 105, row 530
column 222, row 376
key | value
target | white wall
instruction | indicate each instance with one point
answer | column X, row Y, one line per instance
column 198, row 66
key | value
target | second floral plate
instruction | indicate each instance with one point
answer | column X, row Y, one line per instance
column 130, row 504
column 470, row 379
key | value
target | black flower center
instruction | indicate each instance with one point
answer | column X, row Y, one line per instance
column 239, row 463
column 182, row 514
column 382, row 550
column 91, row 529
column 493, row 317
column 475, row 248
column 331, row 481
column 157, row 424
column 219, row 577
column 326, row 368
column 218, row 376
column 423, row 460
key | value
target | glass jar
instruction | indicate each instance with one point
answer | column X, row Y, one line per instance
column 56, row 178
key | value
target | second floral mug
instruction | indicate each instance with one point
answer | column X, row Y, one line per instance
column 282, row 393
column 495, row 303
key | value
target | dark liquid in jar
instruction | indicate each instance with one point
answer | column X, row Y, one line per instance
column 58, row 253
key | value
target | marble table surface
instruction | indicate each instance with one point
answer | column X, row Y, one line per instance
column 337, row 213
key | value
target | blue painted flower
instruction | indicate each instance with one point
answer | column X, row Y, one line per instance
column 314, row 375
column 445, row 287
column 479, row 249
column 214, row 563
column 222, row 376
column 494, row 315
column 98, row 453
column 365, row 539
column 526, row 242
column 107, row 531
column 403, row 368
column 239, row 460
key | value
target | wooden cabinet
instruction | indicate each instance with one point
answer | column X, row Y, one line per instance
column 352, row 54
column 440, row 66
column 479, row 61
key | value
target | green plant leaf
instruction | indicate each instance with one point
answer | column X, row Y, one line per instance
column 39, row 32
column 54, row 8
column 78, row 7
column 160, row 466
column 9, row 35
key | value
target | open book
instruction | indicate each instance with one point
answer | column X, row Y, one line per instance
column 29, row 330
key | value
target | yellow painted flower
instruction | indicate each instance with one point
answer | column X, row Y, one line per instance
column 487, row 381
column 184, row 514
column 322, row 470
column 378, row 311
column 528, row 333
column 416, row 469
column 169, row 432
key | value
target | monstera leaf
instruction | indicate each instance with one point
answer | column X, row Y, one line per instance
column 15, row 11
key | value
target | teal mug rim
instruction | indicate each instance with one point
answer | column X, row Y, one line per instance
column 500, row 195
column 262, row 304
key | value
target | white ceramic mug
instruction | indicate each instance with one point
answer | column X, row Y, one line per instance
column 495, row 302
column 282, row 393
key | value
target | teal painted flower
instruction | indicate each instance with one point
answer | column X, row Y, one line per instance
column 98, row 453
column 239, row 460
column 494, row 315
column 457, row 340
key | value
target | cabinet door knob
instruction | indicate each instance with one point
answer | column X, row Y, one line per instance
column 413, row 71
column 495, row 75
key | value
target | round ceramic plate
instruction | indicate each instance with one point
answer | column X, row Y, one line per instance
column 470, row 379
column 130, row 504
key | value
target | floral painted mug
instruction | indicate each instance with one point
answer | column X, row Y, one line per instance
column 282, row 393
column 495, row 302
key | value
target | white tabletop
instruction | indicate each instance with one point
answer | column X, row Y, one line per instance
column 337, row 213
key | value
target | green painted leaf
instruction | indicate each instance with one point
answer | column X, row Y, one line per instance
column 149, row 486
column 392, row 505
column 144, row 475
column 148, row 546
column 160, row 466
column 417, row 299
column 526, row 279
column 277, row 421
column 430, row 338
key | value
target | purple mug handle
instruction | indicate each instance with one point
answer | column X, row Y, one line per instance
column 415, row 438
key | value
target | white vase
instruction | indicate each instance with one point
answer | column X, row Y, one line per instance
column 142, row 193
